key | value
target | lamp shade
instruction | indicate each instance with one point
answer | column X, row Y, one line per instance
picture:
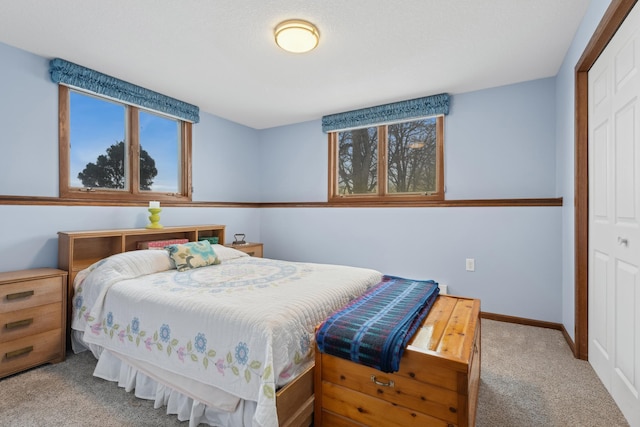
column 297, row 36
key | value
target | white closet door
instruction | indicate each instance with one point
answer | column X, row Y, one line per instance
column 614, row 217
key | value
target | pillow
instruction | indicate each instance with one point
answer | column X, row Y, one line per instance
column 226, row 253
column 192, row 255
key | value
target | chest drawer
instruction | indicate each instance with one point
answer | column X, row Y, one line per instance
column 367, row 410
column 396, row 388
column 30, row 293
column 32, row 318
column 30, row 321
column 30, row 351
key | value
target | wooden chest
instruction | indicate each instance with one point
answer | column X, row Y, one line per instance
column 437, row 384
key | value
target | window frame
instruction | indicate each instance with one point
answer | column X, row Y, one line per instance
column 133, row 193
column 382, row 194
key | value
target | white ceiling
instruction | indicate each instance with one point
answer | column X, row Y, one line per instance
column 220, row 54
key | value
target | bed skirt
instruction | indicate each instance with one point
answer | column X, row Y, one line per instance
column 228, row 410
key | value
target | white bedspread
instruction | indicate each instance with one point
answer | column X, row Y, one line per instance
column 245, row 326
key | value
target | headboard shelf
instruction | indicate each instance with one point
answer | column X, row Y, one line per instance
column 77, row 250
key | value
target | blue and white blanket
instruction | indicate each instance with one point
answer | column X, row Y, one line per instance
column 245, row 326
column 375, row 328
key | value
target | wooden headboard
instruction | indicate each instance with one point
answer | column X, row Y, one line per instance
column 77, row 250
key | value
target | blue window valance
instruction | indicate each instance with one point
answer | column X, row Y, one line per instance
column 403, row 110
column 74, row 75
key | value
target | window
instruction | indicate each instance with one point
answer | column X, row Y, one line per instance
column 114, row 151
column 398, row 161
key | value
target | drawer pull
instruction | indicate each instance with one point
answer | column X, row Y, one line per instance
column 20, row 352
column 251, row 253
column 19, row 295
column 19, row 323
column 380, row 383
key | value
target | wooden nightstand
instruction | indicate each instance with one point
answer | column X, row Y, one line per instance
column 32, row 318
column 253, row 249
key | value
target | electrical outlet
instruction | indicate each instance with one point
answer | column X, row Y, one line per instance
column 471, row 264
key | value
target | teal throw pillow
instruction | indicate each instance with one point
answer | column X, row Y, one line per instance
column 192, row 255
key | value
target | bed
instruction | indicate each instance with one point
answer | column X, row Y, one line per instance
column 220, row 343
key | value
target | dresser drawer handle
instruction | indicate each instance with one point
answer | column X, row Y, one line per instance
column 19, row 295
column 380, row 383
column 20, row 352
column 19, row 323
column 252, row 253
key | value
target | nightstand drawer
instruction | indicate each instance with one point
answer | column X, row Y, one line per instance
column 33, row 318
column 30, row 321
column 30, row 293
column 252, row 249
column 30, row 351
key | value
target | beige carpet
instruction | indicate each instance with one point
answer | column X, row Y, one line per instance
column 529, row 378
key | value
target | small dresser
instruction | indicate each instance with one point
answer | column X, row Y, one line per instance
column 32, row 318
column 437, row 384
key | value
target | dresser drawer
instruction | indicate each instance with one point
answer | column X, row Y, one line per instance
column 30, row 351
column 30, row 321
column 30, row 293
column 32, row 318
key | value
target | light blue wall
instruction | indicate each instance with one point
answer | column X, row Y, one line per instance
column 29, row 233
column 225, row 167
column 29, row 123
column 293, row 163
column 516, row 250
column 565, row 108
column 499, row 143
column 29, row 167
column 224, row 153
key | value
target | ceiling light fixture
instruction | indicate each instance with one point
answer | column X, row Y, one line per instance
column 297, row 36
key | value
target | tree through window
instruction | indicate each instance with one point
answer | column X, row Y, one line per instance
column 114, row 151
column 109, row 170
column 401, row 160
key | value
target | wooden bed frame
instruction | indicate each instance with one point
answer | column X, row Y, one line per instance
column 77, row 250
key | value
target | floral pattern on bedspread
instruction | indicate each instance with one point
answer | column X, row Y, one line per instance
column 235, row 362
column 245, row 326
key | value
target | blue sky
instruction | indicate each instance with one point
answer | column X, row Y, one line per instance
column 96, row 124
